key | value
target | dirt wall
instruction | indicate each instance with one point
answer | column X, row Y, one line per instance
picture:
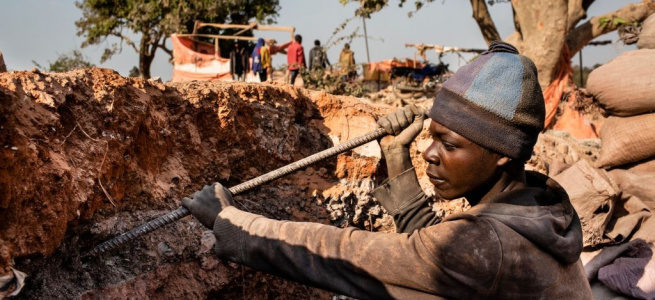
column 89, row 154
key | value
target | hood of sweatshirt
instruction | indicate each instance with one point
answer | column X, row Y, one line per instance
column 542, row 213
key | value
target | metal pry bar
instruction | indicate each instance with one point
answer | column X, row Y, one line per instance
column 182, row 212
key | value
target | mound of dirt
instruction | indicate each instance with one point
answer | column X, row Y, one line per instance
column 87, row 155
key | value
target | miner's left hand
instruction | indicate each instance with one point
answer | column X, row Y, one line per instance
column 208, row 203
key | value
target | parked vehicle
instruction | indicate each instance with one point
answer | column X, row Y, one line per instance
column 411, row 82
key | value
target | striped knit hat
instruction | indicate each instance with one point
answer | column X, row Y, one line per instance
column 495, row 102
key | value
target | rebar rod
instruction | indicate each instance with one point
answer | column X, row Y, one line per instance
column 182, row 212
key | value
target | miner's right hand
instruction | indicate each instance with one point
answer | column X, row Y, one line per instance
column 208, row 203
column 403, row 125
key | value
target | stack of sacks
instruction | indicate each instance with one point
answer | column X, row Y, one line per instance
column 616, row 206
column 647, row 34
column 625, row 87
column 615, row 210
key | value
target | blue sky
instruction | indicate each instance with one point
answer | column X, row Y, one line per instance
column 40, row 30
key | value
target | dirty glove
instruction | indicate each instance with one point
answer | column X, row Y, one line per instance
column 208, row 203
column 403, row 125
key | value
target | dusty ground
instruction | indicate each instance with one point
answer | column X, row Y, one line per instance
column 89, row 154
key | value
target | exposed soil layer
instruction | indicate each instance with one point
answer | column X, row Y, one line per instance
column 87, row 155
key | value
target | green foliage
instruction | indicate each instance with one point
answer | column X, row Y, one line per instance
column 368, row 7
column 332, row 83
column 66, row 62
column 615, row 22
column 153, row 21
column 335, row 39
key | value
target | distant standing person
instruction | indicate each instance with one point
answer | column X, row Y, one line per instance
column 3, row 67
column 347, row 62
column 295, row 58
column 257, row 66
column 267, row 66
column 238, row 62
column 317, row 57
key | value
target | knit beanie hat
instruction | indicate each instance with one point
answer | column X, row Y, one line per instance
column 494, row 101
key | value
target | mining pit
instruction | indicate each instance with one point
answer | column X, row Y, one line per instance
column 88, row 154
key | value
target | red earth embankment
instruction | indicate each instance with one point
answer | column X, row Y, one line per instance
column 89, row 154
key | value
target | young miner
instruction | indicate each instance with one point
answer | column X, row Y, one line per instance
column 521, row 239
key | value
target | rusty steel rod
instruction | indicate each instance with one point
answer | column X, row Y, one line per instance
column 182, row 212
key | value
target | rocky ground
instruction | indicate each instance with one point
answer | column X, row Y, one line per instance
column 89, row 154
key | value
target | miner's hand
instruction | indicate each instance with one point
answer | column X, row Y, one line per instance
column 403, row 125
column 208, row 203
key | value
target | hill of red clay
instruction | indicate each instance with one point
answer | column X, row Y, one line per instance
column 87, row 155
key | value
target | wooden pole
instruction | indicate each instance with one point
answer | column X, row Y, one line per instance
column 443, row 49
column 252, row 25
column 244, row 28
column 234, row 37
column 368, row 58
column 581, row 75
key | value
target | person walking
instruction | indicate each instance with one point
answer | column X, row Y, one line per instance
column 347, row 63
column 3, row 67
column 295, row 58
column 521, row 238
column 267, row 66
column 238, row 62
column 257, row 66
column 318, row 59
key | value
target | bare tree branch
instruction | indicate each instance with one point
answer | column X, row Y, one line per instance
column 126, row 39
column 586, row 4
column 599, row 25
column 576, row 13
column 485, row 22
column 517, row 25
column 163, row 47
column 154, row 42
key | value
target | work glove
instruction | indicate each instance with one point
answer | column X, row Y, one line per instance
column 208, row 203
column 403, row 126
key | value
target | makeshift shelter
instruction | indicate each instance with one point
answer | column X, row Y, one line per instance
column 196, row 59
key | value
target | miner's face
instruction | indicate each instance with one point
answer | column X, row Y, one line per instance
column 458, row 167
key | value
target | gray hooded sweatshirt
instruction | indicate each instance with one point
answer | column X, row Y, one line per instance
column 525, row 244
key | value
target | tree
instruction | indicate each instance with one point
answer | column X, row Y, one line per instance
column 67, row 62
column 155, row 20
column 545, row 31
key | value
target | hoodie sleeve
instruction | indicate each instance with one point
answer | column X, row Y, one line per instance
column 404, row 199
column 458, row 259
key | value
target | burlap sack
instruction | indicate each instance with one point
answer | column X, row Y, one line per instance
column 647, row 34
column 638, row 184
column 626, row 140
column 593, row 196
column 647, row 165
column 625, row 86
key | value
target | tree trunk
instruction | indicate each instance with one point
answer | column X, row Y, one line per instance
column 145, row 57
column 484, row 20
column 542, row 38
column 144, row 65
